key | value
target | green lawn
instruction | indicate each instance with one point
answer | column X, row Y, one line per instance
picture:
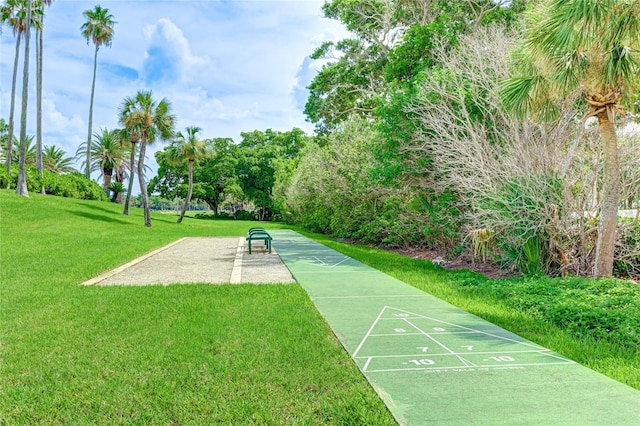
column 194, row 354
column 238, row 354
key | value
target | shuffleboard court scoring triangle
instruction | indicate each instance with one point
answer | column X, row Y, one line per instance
column 400, row 340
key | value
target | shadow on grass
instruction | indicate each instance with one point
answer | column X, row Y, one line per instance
column 100, row 217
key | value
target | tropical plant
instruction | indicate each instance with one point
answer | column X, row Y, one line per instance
column 149, row 120
column 116, row 189
column 13, row 13
column 99, row 29
column 187, row 148
column 53, row 159
column 592, row 47
column 106, row 153
column 128, row 136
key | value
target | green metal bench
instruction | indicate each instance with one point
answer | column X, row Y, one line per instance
column 258, row 234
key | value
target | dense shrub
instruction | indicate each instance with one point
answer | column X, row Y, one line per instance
column 211, row 216
column 335, row 190
column 70, row 185
column 605, row 309
column 244, row 215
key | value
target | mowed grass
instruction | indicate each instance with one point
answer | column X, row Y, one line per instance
column 187, row 354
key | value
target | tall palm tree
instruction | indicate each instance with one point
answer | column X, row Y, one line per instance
column 54, row 159
column 130, row 133
column 150, row 120
column 21, row 185
column 13, row 13
column 594, row 47
column 187, row 148
column 39, row 56
column 99, row 29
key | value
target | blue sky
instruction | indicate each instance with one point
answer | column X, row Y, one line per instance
column 226, row 66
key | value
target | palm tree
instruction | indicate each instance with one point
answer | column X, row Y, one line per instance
column 21, row 185
column 105, row 154
column 593, row 47
column 39, row 56
column 13, row 12
column 187, row 149
column 130, row 132
column 148, row 120
column 99, row 29
column 122, row 165
column 116, row 188
column 53, row 159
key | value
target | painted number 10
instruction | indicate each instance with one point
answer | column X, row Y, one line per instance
column 422, row 361
column 502, row 358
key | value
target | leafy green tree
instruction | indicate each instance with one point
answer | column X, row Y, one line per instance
column 54, row 159
column 213, row 176
column 99, row 29
column 390, row 42
column 592, row 47
column 258, row 155
column 150, row 120
column 187, row 148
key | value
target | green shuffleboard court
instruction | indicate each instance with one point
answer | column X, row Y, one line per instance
column 433, row 363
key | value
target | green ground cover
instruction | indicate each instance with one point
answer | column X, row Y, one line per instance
column 593, row 322
column 193, row 354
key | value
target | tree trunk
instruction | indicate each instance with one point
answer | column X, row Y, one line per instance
column 12, row 108
column 119, row 178
column 143, row 185
column 21, row 186
column 610, row 197
column 132, row 172
column 189, row 193
column 107, row 181
column 39, row 56
column 87, row 170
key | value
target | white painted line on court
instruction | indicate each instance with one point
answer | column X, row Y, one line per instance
column 113, row 272
column 540, row 352
column 462, row 367
column 368, row 332
column 373, row 297
column 236, row 272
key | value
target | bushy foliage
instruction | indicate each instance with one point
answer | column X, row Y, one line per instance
column 606, row 309
column 212, row 216
column 244, row 215
column 336, row 190
column 70, row 185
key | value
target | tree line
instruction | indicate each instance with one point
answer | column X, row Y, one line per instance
column 498, row 128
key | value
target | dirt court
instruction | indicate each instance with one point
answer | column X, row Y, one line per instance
column 209, row 260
